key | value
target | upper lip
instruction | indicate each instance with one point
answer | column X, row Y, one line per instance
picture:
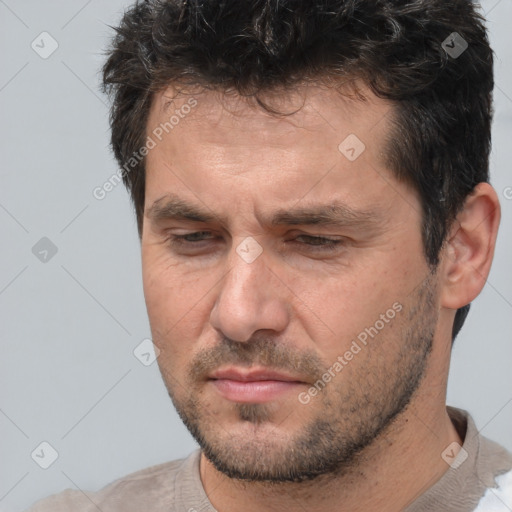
column 245, row 375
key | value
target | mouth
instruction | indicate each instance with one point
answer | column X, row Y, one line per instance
column 253, row 386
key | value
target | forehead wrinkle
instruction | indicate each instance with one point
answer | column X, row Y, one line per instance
column 333, row 214
column 171, row 206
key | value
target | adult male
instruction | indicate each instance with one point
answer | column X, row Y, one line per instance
column 311, row 187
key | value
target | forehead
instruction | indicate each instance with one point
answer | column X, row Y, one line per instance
column 222, row 149
column 302, row 113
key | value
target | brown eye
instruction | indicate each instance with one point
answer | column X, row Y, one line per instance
column 321, row 243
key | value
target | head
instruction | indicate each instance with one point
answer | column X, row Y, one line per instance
column 247, row 127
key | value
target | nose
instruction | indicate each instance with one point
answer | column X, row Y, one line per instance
column 251, row 297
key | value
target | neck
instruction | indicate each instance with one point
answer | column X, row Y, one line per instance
column 389, row 474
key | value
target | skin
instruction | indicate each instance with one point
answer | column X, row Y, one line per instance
column 297, row 308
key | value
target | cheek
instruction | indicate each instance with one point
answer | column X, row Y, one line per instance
column 177, row 299
column 339, row 307
column 343, row 308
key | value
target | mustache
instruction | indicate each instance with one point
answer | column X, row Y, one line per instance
column 259, row 352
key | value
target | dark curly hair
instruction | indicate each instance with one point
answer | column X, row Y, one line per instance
column 440, row 138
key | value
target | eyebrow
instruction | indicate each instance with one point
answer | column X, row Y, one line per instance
column 333, row 214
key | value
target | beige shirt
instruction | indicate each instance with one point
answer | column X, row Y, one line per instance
column 481, row 483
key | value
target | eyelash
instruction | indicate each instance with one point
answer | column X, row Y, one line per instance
column 328, row 244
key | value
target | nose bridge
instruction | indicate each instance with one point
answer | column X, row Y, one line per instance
column 249, row 298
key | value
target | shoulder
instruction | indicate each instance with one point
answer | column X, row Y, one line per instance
column 479, row 479
column 492, row 471
column 496, row 472
column 151, row 488
column 497, row 498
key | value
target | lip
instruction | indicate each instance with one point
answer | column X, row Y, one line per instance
column 253, row 386
column 242, row 375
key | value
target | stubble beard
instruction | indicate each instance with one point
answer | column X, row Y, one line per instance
column 348, row 417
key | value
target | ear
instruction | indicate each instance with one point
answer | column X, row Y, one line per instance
column 469, row 250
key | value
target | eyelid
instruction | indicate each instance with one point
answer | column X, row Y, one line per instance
column 296, row 234
column 326, row 243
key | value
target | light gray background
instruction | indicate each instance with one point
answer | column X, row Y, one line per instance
column 69, row 326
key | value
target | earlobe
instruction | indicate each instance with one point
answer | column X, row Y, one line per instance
column 469, row 250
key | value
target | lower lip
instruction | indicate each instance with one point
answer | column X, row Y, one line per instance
column 255, row 392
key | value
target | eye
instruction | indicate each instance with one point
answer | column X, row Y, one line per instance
column 321, row 243
column 195, row 239
column 184, row 239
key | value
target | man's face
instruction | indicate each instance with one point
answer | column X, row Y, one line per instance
column 284, row 356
